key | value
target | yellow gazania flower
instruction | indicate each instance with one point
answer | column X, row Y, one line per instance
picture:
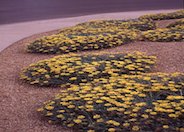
column 165, row 126
column 81, row 117
column 49, row 107
column 96, row 116
column 126, row 124
column 60, row 116
column 135, row 128
column 111, row 130
column 77, row 121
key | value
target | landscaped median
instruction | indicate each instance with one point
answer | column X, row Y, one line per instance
column 122, row 103
column 76, row 69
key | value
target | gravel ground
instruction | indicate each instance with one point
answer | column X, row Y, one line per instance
column 19, row 100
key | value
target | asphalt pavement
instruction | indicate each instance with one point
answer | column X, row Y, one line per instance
column 13, row 11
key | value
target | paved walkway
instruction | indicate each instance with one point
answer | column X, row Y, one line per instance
column 10, row 33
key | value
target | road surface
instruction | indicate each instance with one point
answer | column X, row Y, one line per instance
column 12, row 11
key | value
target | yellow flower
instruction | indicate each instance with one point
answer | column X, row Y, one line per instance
column 60, row 116
column 126, row 124
column 165, row 126
column 70, row 125
column 49, row 114
column 99, row 101
column 62, row 111
column 115, row 123
column 73, row 78
column 49, row 107
column 111, row 130
column 173, row 115
column 71, row 106
column 91, row 131
column 81, row 117
column 153, row 113
column 145, row 116
column 99, row 120
column 77, row 121
column 135, row 128
column 96, row 116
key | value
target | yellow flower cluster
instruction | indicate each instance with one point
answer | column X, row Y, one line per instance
column 91, row 36
column 164, row 16
column 60, row 44
column 163, row 35
column 136, row 24
column 75, row 69
column 102, row 34
column 178, row 25
column 110, row 91
column 173, row 32
column 121, row 103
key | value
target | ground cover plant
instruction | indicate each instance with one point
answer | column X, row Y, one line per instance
column 110, row 91
column 172, row 32
column 147, row 102
column 102, row 34
column 178, row 25
column 135, row 24
column 163, row 35
column 61, row 44
column 164, row 16
column 91, row 36
column 76, row 69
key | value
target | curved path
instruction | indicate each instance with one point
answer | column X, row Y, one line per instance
column 10, row 33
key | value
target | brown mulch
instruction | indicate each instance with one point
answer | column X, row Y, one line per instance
column 19, row 101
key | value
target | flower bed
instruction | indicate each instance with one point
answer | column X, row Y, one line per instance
column 61, row 44
column 76, row 69
column 108, row 33
column 148, row 102
column 178, row 25
column 163, row 35
column 110, row 91
column 141, row 25
column 164, row 16
column 91, row 36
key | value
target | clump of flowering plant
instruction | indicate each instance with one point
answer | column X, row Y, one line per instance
column 76, row 69
column 163, row 35
column 147, row 102
column 91, row 36
column 177, row 25
column 164, row 16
